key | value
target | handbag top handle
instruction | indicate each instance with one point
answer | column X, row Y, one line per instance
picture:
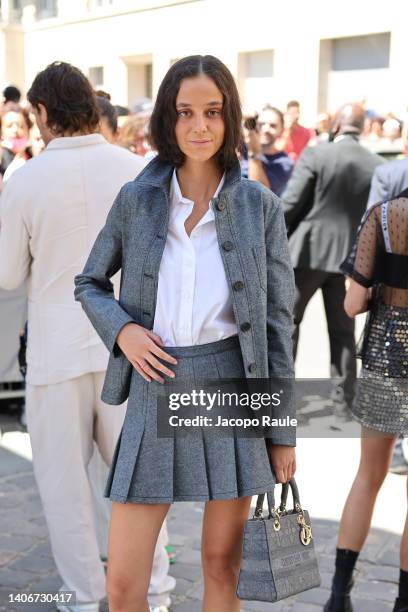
column 284, row 496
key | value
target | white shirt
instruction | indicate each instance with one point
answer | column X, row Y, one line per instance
column 194, row 304
column 51, row 211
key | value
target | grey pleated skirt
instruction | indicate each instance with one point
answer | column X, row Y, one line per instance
column 149, row 469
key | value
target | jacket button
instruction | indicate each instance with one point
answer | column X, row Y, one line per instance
column 220, row 206
column 238, row 286
column 245, row 326
column 227, row 246
column 252, row 367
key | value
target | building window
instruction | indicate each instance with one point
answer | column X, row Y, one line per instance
column 96, row 77
column 255, row 77
column 259, row 64
column 95, row 4
column 47, row 9
column 361, row 52
column 148, row 80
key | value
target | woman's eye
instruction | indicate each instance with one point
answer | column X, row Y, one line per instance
column 183, row 113
column 214, row 113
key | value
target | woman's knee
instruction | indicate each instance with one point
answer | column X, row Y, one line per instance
column 123, row 591
column 372, row 476
column 220, row 565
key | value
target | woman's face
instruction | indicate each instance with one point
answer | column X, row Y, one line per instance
column 200, row 125
column 13, row 125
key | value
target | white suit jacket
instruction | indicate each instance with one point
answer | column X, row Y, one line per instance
column 51, row 211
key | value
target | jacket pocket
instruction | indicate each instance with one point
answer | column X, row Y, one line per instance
column 260, row 261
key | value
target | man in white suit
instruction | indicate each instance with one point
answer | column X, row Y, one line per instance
column 51, row 212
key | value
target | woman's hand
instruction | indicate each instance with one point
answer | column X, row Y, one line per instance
column 283, row 461
column 142, row 347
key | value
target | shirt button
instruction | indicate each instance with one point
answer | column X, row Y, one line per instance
column 238, row 286
column 252, row 367
column 245, row 326
column 220, row 206
column 227, row 246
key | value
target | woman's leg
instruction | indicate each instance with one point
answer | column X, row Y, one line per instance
column 375, row 458
column 221, row 551
column 133, row 533
column 404, row 543
column 355, row 522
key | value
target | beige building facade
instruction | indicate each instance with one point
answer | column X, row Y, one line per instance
column 321, row 52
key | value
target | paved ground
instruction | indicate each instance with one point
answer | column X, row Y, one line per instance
column 26, row 564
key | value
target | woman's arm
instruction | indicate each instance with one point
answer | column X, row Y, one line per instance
column 356, row 300
column 280, row 303
column 93, row 287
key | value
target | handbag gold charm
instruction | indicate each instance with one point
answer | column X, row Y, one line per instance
column 305, row 534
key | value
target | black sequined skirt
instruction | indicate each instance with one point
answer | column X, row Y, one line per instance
column 381, row 401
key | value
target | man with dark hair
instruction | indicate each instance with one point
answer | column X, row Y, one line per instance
column 294, row 137
column 266, row 163
column 11, row 99
column 51, row 212
column 323, row 204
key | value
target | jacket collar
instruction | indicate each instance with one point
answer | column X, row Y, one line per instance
column 158, row 173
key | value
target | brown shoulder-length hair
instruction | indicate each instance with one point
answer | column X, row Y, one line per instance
column 68, row 97
column 164, row 116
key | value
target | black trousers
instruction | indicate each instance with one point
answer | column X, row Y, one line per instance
column 339, row 325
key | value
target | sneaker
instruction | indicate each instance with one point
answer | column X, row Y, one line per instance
column 159, row 609
column 91, row 606
column 399, row 461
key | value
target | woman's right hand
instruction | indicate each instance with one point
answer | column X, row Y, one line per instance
column 142, row 347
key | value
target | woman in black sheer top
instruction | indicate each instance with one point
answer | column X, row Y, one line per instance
column 378, row 271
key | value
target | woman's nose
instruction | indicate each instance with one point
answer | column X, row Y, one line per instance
column 200, row 124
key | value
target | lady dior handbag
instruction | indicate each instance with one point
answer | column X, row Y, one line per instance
column 278, row 557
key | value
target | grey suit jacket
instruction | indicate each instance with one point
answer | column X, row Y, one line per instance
column 252, row 238
column 389, row 181
column 324, row 201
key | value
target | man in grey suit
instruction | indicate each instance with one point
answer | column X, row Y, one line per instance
column 388, row 181
column 323, row 205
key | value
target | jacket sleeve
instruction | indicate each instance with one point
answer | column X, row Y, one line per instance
column 93, row 287
column 15, row 257
column 379, row 190
column 297, row 198
column 280, row 304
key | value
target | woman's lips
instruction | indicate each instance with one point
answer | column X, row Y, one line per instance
column 200, row 142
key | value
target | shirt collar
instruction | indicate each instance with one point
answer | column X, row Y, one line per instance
column 70, row 142
column 176, row 197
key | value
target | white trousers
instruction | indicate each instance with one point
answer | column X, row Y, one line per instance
column 63, row 421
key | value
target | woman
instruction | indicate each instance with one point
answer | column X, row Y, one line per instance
column 15, row 141
column 206, row 291
column 378, row 268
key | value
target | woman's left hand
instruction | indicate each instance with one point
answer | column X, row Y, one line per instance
column 283, row 461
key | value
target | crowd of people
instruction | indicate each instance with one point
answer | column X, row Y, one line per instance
column 192, row 301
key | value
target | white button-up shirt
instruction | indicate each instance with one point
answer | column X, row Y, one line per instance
column 194, row 304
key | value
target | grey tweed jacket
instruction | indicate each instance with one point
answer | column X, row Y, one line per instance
column 252, row 239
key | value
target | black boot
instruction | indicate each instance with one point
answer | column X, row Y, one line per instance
column 342, row 584
column 401, row 603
